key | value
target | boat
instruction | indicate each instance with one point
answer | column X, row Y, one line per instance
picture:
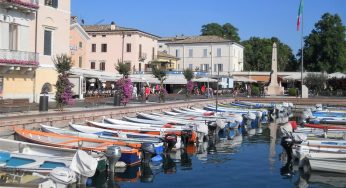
column 327, row 164
column 36, row 157
column 325, row 126
column 129, row 154
column 141, row 120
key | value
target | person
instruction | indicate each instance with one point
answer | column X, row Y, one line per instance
column 147, row 93
column 203, row 89
column 157, row 89
column 134, row 92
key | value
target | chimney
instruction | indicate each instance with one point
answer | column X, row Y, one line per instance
column 112, row 26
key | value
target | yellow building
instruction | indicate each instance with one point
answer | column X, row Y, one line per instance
column 167, row 62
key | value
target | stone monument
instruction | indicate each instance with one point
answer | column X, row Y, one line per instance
column 274, row 88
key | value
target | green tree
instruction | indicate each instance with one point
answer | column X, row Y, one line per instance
column 258, row 55
column 227, row 31
column 325, row 46
column 161, row 75
column 188, row 74
column 123, row 68
column 63, row 95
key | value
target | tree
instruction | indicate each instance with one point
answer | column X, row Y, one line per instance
column 188, row 74
column 123, row 68
column 161, row 75
column 227, row 31
column 123, row 86
column 63, row 95
column 258, row 55
column 325, row 46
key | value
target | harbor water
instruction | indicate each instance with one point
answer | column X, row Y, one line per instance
column 253, row 160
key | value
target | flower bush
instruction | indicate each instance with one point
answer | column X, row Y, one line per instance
column 189, row 88
column 24, row 3
column 18, row 62
column 124, row 89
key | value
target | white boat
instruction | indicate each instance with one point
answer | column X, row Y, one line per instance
column 141, row 120
column 328, row 164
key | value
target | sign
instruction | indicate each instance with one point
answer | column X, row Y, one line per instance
column 227, row 83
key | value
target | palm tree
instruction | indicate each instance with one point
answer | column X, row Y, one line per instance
column 161, row 75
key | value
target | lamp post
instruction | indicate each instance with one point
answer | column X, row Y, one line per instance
column 217, row 87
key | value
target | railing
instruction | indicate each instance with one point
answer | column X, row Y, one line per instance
column 32, row 4
column 142, row 57
column 18, row 57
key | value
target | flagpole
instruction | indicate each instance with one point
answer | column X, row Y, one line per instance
column 302, row 50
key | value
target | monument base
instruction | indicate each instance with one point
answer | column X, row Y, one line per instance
column 305, row 92
column 275, row 90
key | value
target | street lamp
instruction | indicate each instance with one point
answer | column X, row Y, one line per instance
column 217, row 86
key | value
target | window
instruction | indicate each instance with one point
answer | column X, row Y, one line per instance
column 205, row 67
column 51, row 3
column 103, row 35
column 103, row 47
column 205, row 52
column 218, row 67
column 128, row 47
column 190, row 53
column 80, row 61
column 13, row 37
column 80, row 45
column 92, row 65
column 177, row 53
column 103, row 66
column 190, row 66
column 219, row 52
column 47, row 50
column 93, row 47
column 140, row 51
column 153, row 54
column 93, row 35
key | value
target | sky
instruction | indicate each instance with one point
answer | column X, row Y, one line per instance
column 253, row 18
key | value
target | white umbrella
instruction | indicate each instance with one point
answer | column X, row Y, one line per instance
column 242, row 79
column 204, row 79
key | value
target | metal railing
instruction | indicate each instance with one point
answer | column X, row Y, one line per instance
column 18, row 57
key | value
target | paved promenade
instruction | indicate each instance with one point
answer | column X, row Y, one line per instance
column 81, row 113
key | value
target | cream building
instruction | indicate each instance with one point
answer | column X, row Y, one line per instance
column 110, row 44
column 32, row 33
column 205, row 53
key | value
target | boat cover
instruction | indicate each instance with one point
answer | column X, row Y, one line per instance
column 84, row 164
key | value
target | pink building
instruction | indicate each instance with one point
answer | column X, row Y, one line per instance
column 110, row 44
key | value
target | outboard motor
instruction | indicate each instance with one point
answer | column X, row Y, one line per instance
column 170, row 141
column 287, row 144
column 212, row 125
column 148, row 150
column 113, row 154
column 186, row 136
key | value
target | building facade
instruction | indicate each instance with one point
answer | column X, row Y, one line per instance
column 110, row 44
column 34, row 32
column 211, row 54
column 18, row 55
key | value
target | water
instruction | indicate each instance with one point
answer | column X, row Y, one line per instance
column 246, row 161
column 255, row 160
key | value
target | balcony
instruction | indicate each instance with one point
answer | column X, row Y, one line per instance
column 142, row 57
column 26, row 6
column 18, row 58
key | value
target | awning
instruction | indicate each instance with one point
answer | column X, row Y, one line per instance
column 243, row 79
column 337, row 75
column 101, row 75
column 204, row 79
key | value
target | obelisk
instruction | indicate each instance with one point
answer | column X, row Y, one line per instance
column 274, row 88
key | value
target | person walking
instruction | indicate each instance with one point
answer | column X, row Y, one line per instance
column 147, row 93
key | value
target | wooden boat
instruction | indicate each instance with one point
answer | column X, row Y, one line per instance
column 27, row 162
column 129, row 155
column 35, row 157
column 325, row 126
column 102, row 131
column 141, row 120
column 327, row 164
column 144, row 130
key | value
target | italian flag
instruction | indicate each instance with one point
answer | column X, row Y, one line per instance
column 300, row 14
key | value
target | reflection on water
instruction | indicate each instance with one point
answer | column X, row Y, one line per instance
column 254, row 160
